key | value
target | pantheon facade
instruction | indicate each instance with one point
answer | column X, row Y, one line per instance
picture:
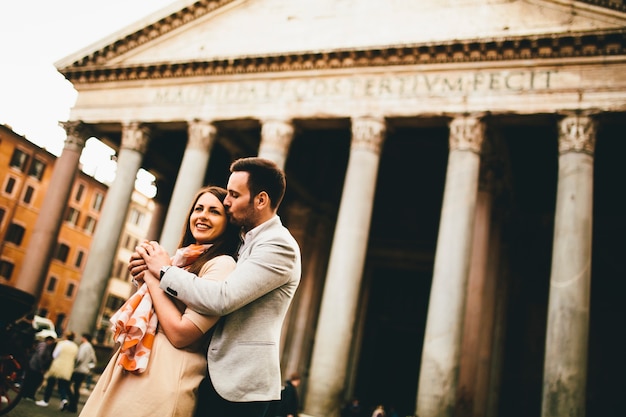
column 453, row 168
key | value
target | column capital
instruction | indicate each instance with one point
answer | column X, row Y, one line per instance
column 577, row 133
column 201, row 134
column 277, row 134
column 77, row 134
column 135, row 136
column 467, row 133
column 368, row 133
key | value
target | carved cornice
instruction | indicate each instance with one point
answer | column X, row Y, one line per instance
column 572, row 45
column 617, row 5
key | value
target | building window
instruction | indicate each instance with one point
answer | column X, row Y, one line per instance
column 19, row 160
column 6, row 269
column 98, row 198
column 28, row 194
column 52, row 284
column 130, row 242
column 72, row 216
column 2, row 213
column 114, row 303
column 10, row 186
column 15, row 234
column 80, row 191
column 90, row 225
column 62, row 252
column 69, row 292
column 136, row 217
column 120, row 269
column 36, row 169
column 79, row 259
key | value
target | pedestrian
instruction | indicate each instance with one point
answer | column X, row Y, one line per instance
column 289, row 403
column 22, row 337
column 85, row 361
column 352, row 409
column 379, row 411
column 166, row 384
column 38, row 364
column 243, row 359
column 60, row 372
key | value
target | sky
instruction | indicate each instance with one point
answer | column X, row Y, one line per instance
column 34, row 96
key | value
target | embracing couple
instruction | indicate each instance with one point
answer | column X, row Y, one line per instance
column 217, row 305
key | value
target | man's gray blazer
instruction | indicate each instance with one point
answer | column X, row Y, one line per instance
column 243, row 356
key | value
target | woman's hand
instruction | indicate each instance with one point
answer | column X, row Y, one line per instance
column 154, row 257
column 137, row 266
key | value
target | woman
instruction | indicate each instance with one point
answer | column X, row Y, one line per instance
column 167, row 385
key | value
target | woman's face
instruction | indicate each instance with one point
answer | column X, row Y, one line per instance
column 208, row 219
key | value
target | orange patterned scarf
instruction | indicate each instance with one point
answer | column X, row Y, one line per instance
column 135, row 323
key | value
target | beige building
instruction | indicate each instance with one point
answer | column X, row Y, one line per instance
column 453, row 180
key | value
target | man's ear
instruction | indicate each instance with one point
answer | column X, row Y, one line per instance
column 262, row 200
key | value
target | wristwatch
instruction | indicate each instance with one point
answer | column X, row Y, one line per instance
column 163, row 270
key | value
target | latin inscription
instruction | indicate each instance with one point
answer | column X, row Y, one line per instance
column 392, row 87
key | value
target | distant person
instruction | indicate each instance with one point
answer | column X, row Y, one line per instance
column 60, row 372
column 352, row 409
column 38, row 364
column 379, row 411
column 166, row 385
column 85, row 360
column 243, row 358
column 23, row 337
column 289, row 403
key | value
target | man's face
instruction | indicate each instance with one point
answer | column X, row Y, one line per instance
column 238, row 202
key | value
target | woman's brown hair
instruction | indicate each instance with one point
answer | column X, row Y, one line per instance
column 226, row 244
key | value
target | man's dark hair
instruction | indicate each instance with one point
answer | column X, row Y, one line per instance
column 264, row 175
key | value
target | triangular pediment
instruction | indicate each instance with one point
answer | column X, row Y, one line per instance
column 192, row 31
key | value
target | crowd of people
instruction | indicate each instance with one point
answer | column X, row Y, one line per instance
column 63, row 365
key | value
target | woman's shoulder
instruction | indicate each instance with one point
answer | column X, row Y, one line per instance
column 219, row 262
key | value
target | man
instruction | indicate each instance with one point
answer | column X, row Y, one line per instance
column 37, row 366
column 85, row 361
column 289, row 404
column 243, row 356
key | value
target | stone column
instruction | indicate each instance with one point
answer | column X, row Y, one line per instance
column 305, row 305
column 32, row 276
column 344, row 275
column 92, row 289
column 442, row 339
column 478, row 300
column 565, row 365
column 276, row 137
column 492, row 350
column 161, row 200
column 189, row 180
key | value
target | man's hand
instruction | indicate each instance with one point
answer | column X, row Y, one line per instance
column 153, row 257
